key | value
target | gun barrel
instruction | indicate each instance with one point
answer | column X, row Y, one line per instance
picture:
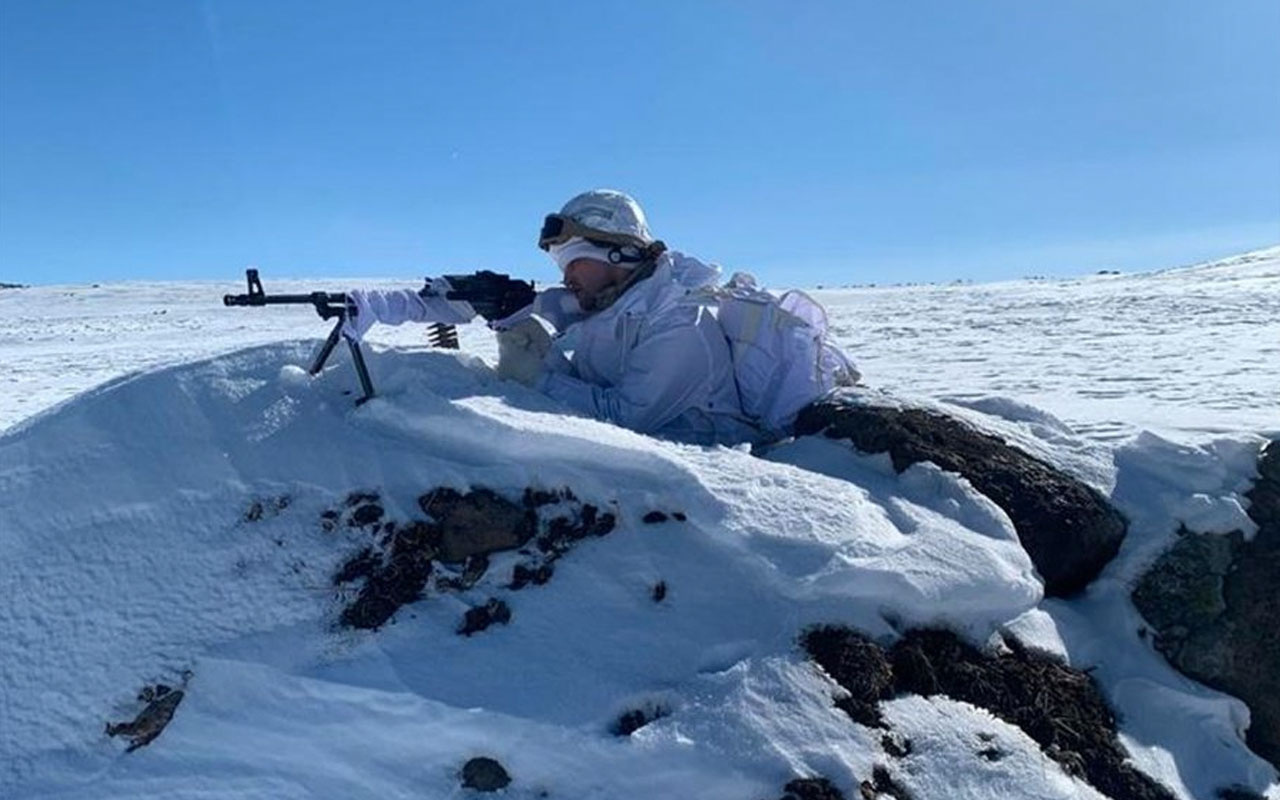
column 324, row 298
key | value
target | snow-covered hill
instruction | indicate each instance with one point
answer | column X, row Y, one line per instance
column 176, row 527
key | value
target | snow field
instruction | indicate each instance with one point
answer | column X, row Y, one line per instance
column 126, row 557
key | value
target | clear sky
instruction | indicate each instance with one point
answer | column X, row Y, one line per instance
column 811, row 142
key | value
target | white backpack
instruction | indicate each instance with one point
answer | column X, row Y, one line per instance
column 782, row 360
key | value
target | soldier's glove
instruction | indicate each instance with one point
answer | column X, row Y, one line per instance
column 521, row 350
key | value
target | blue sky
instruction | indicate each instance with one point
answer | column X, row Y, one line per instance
column 813, row 143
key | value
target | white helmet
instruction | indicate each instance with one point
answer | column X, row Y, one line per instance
column 609, row 211
column 611, row 216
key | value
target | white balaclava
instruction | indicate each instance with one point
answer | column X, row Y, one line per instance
column 577, row 247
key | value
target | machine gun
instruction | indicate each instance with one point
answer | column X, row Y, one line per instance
column 492, row 295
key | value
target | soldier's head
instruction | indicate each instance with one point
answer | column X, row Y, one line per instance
column 597, row 239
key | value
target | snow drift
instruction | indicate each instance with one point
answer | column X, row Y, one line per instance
column 130, row 560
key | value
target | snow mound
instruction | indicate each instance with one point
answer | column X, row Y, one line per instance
column 165, row 528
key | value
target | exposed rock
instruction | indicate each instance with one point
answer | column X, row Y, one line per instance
column 494, row 612
column 13, row 286
column 1213, row 603
column 631, row 721
column 895, row 744
column 368, row 514
column 1069, row 529
column 461, row 533
column 484, row 775
column 654, row 517
column 391, row 579
column 811, row 789
column 523, row 575
column 563, row 532
column 480, row 521
column 161, row 701
column 659, row 591
column 1059, row 707
column 882, row 784
column 262, row 508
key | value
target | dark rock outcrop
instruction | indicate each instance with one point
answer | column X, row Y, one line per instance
column 494, row 612
column 631, row 721
column 480, row 521
column 1213, row 601
column 811, row 789
column 1069, row 529
column 1061, row 708
column 484, row 775
column 461, row 531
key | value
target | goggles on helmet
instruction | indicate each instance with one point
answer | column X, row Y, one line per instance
column 558, row 229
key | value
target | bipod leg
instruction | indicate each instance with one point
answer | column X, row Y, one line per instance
column 357, row 356
column 321, row 357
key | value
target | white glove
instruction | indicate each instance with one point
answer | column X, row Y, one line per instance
column 521, row 350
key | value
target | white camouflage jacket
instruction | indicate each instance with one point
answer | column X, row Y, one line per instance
column 653, row 361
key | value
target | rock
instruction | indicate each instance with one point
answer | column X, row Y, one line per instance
column 1213, row 604
column 659, row 592
column 1069, row 529
column 161, row 702
column 882, row 784
column 523, row 574
column 895, row 744
column 484, row 775
column 462, row 531
column 631, row 721
column 368, row 514
column 1061, row 708
column 480, row 521
column 479, row 618
column 811, row 789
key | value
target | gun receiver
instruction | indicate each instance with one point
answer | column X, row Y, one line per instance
column 329, row 305
column 493, row 295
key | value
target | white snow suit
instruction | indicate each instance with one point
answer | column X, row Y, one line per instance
column 654, row 361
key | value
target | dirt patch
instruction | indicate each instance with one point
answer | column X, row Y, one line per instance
column 1059, row 707
column 160, row 702
column 857, row 664
column 261, row 508
column 460, row 529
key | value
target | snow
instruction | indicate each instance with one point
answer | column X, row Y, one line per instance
column 126, row 559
